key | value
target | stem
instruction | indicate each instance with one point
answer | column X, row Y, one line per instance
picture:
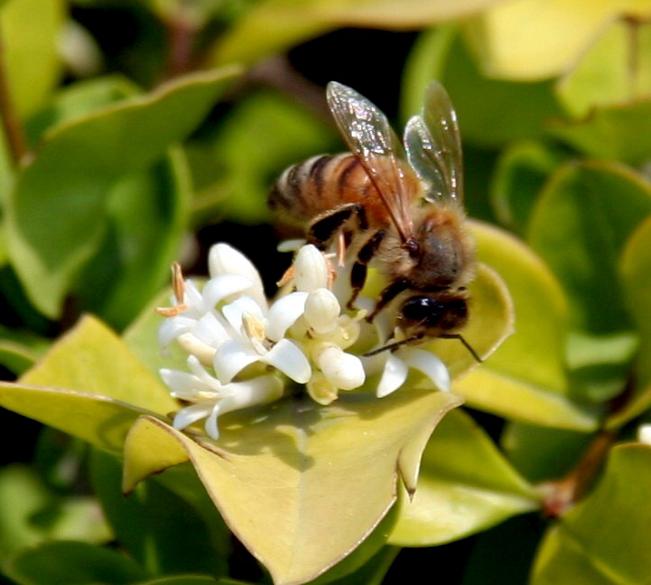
column 560, row 495
column 278, row 73
column 10, row 122
column 181, row 33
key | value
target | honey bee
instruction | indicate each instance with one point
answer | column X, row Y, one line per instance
column 398, row 207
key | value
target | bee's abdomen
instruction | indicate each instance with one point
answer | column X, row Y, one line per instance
column 319, row 184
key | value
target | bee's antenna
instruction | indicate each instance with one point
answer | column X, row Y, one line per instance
column 392, row 346
column 395, row 345
column 462, row 339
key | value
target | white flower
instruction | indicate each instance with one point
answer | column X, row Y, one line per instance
column 238, row 343
column 644, row 433
column 398, row 362
column 210, row 398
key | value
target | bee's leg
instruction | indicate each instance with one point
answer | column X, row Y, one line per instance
column 359, row 269
column 323, row 229
column 389, row 293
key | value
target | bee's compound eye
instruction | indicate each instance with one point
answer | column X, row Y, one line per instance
column 432, row 313
column 421, row 309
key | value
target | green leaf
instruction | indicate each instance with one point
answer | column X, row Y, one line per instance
column 73, row 563
column 30, row 49
column 465, row 486
column 133, row 260
column 616, row 132
column 503, row 555
column 635, row 274
column 148, row 523
column 21, row 495
column 30, row 514
column 191, row 580
column 293, row 470
column 579, row 227
column 525, row 378
column 521, row 172
column 88, row 385
column 75, row 168
column 540, row 453
column 372, row 572
column 498, row 117
column 232, row 173
column 20, row 349
column 514, row 45
column 78, row 100
column 614, row 70
column 142, row 337
column 605, row 538
column 274, row 25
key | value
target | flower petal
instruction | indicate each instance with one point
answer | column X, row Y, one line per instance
column 231, row 358
column 191, row 414
column 224, row 259
column 223, row 286
column 393, row 376
column 290, row 360
column 284, row 313
column 429, row 364
column 182, row 384
column 234, row 312
column 310, row 269
column 172, row 327
column 210, row 330
column 212, row 430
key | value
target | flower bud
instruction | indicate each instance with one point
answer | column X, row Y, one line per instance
column 343, row 369
column 321, row 311
column 311, row 269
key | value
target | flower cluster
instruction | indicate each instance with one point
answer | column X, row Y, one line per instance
column 242, row 350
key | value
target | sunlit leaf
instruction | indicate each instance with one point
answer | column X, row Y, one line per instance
column 608, row 130
column 73, row 563
column 273, row 25
column 30, row 49
column 579, row 227
column 293, row 469
column 88, row 385
column 614, row 70
column 499, row 116
column 465, row 486
column 148, row 524
column 75, row 168
column 525, row 378
column 605, row 538
column 536, row 39
column 635, row 271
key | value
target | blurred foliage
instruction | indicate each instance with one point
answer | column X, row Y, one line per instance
column 133, row 131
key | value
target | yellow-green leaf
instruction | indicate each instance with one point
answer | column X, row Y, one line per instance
column 302, row 485
column 30, row 32
column 465, row 485
column 273, row 25
column 536, row 39
column 88, row 385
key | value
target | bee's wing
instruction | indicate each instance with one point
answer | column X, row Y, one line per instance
column 370, row 137
column 433, row 146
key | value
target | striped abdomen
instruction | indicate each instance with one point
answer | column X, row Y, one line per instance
column 321, row 183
